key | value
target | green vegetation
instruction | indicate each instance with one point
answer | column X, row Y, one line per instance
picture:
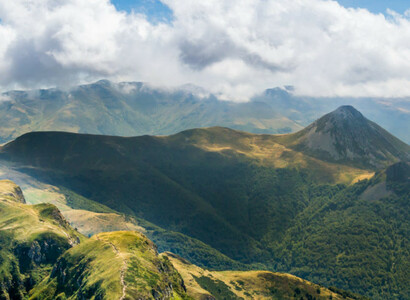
column 216, row 287
column 32, row 237
column 258, row 200
column 77, row 201
column 353, row 239
column 130, row 109
column 109, row 266
column 41, row 259
column 204, row 284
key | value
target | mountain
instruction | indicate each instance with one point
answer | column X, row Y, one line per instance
column 259, row 200
column 129, row 109
column 345, row 135
column 91, row 217
column 42, row 257
column 360, row 232
column 187, row 182
column 32, row 238
column 392, row 114
column 135, row 108
column 123, row 265
column 205, row 284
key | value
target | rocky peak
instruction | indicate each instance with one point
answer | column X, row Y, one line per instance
column 347, row 112
column 346, row 135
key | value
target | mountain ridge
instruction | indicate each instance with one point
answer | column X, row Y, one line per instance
column 136, row 108
column 110, row 265
column 345, row 135
column 246, row 195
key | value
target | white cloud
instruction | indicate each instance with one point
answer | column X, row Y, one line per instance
column 234, row 48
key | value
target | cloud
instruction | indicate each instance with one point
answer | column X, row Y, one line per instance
column 232, row 48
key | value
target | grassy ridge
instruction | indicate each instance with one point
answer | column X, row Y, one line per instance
column 247, row 196
column 42, row 257
column 202, row 284
column 32, row 238
column 90, row 218
column 109, row 266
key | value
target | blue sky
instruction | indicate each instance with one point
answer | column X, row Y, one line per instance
column 156, row 11
column 231, row 48
column 378, row 6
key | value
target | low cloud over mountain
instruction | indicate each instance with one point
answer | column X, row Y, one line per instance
column 232, row 48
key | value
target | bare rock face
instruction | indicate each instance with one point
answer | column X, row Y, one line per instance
column 346, row 135
column 12, row 191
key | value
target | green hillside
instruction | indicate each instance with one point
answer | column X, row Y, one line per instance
column 361, row 233
column 205, row 284
column 91, row 217
column 247, row 196
column 42, row 257
column 32, row 239
column 122, row 265
column 265, row 180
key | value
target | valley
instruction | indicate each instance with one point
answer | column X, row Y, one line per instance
column 232, row 200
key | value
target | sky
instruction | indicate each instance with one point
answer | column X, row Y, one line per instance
column 155, row 8
column 232, row 48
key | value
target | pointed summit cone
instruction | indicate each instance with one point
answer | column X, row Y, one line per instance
column 346, row 136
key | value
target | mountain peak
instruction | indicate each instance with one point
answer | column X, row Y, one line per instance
column 345, row 135
column 348, row 111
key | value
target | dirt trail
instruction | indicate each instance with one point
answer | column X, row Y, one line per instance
column 123, row 269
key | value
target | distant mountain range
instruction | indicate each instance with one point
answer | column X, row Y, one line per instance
column 328, row 203
column 135, row 108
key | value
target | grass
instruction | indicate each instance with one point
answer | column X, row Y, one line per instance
column 24, row 229
column 109, row 265
column 248, row 284
column 242, row 194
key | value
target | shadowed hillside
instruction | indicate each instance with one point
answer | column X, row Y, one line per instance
column 42, row 257
column 248, row 196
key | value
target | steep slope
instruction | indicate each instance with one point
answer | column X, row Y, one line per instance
column 113, row 265
column 247, row 196
column 90, row 217
column 205, row 284
column 263, row 179
column 36, row 264
column 361, row 232
column 345, row 135
column 391, row 114
column 32, row 238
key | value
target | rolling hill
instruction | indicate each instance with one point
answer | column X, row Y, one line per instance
column 249, row 195
column 42, row 257
column 204, row 284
